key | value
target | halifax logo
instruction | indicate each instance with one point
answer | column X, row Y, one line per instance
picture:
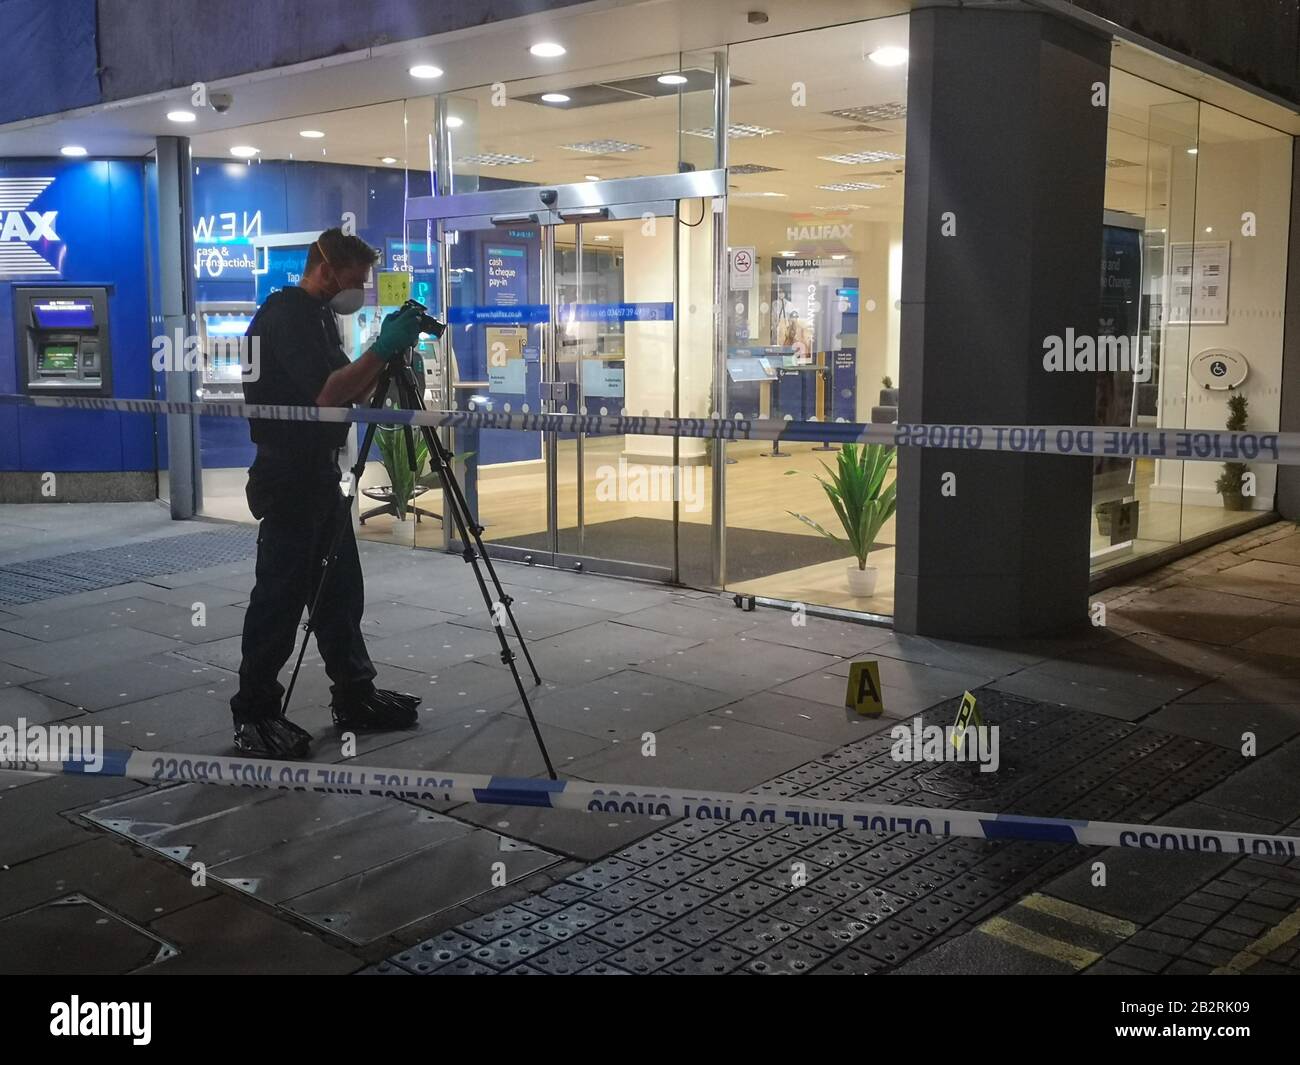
column 22, row 230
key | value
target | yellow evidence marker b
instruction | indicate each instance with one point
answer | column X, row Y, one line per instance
column 967, row 716
column 864, row 694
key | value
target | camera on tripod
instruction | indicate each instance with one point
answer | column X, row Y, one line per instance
column 428, row 323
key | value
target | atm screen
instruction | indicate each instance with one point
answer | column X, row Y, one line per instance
column 58, row 358
column 64, row 314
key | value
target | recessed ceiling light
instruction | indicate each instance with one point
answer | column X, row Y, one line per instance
column 388, row 159
column 496, row 159
column 547, row 50
column 453, row 122
column 858, row 158
column 1193, row 151
column 73, row 150
column 838, row 257
column 754, row 195
column 180, row 116
column 850, row 186
column 602, row 236
column 244, row 151
column 311, row 134
column 425, row 71
column 554, row 98
column 788, row 254
column 889, row 55
column 604, row 146
column 738, row 129
column 592, row 177
column 672, row 79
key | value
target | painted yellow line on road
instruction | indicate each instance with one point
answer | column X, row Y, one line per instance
column 1037, row 943
column 1278, row 936
column 1080, row 915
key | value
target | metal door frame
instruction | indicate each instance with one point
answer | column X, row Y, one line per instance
column 548, row 207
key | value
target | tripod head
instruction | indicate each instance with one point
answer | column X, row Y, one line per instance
column 428, row 323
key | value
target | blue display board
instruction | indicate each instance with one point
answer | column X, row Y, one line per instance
column 77, row 222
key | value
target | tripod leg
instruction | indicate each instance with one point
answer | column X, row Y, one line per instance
column 453, row 492
column 335, row 537
column 453, row 489
column 454, row 504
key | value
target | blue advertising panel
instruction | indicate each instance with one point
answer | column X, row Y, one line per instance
column 76, row 223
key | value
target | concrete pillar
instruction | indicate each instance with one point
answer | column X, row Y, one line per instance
column 1288, row 477
column 1005, row 145
column 176, row 287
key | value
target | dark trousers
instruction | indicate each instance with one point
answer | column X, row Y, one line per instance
column 291, row 541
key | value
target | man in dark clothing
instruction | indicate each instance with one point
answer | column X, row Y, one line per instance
column 293, row 489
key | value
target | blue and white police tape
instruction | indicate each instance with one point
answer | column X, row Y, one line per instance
column 654, row 802
column 1192, row 445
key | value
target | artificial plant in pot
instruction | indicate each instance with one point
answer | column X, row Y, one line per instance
column 396, row 458
column 856, row 489
column 1232, row 479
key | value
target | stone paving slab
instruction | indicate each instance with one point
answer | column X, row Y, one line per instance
column 1133, row 722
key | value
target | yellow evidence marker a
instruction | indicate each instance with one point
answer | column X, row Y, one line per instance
column 967, row 716
column 863, row 694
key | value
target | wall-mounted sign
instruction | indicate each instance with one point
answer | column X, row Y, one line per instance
column 742, row 269
column 1198, row 283
column 1219, row 368
column 29, row 245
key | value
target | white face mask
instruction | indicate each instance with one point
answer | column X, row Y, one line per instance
column 348, row 301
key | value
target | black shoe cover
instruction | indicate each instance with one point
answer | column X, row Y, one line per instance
column 380, row 710
column 272, row 737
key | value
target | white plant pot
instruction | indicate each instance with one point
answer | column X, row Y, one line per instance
column 862, row 582
column 401, row 529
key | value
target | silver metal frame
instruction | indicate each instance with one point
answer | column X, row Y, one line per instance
column 721, row 294
column 664, row 188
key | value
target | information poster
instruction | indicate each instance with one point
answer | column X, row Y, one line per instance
column 1198, row 283
column 844, row 384
column 505, row 275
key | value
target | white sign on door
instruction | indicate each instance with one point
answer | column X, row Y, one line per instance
column 742, row 269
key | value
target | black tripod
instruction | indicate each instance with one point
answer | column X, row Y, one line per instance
column 398, row 371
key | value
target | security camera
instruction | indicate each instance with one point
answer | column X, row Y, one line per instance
column 220, row 101
column 549, row 196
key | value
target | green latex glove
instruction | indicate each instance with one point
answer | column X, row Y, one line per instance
column 400, row 330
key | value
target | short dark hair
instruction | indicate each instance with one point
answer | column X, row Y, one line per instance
column 341, row 250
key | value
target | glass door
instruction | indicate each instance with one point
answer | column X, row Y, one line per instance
column 498, row 349
column 615, row 332
column 573, row 308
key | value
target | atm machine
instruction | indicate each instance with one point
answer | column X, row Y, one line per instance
column 222, row 326
column 63, row 333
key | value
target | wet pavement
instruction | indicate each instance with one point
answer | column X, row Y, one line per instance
column 1140, row 720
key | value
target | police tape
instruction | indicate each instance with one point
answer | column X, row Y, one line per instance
column 157, row 767
column 1191, row 445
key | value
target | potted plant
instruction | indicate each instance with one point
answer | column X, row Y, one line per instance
column 856, row 491
column 397, row 464
column 1230, row 481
